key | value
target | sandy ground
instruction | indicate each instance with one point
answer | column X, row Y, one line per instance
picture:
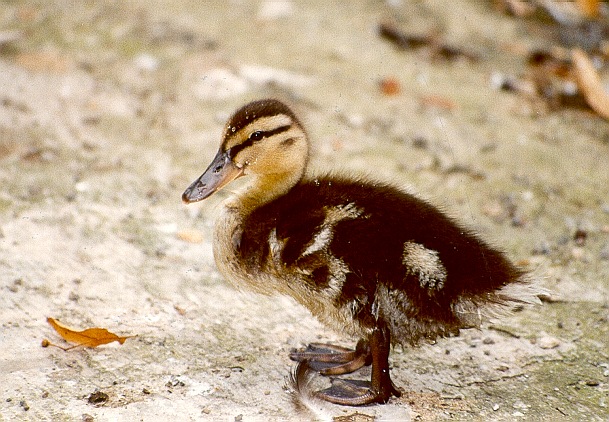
column 109, row 109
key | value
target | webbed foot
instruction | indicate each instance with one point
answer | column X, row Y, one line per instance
column 345, row 392
column 335, row 360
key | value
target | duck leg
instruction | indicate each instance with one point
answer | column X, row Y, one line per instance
column 353, row 392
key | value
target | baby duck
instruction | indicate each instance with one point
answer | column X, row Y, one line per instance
column 365, row 257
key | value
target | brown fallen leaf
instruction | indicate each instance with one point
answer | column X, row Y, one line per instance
column 91, row 337
column 589, row 8
column 590, row 84
column 390, row 86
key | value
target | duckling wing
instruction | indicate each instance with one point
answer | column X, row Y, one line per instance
column 378, row 251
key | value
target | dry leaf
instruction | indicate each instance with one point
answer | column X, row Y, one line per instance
column 390, row 86
column 91, row 337
column 589, row 8
column 590, row 84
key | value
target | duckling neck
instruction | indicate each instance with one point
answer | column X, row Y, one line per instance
column 229, row 227
column 264, row 189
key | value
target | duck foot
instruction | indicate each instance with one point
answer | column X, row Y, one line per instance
column 328, row 359
column 345, row 392
column 335, row 360
column 356, row 393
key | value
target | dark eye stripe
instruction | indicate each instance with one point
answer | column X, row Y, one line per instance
column 269, row 133
column 232, row 152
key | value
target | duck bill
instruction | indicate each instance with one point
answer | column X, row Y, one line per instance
column 220, row 172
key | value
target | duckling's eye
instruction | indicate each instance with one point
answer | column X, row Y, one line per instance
column 256, row 136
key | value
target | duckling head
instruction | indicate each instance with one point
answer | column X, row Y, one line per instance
column 263, row 139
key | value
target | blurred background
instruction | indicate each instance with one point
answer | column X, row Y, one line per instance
column 494, row 110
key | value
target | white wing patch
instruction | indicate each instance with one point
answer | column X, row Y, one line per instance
column 322, row 303
column 334, row 215
column 320, row 241
column 425, row 264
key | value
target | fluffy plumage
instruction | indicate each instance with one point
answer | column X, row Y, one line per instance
column 380, row 253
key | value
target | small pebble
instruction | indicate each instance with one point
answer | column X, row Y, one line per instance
column 580, row 237
column 592, row 383
column 495, row 407
column 82, row 187
column 273, row 9
column 501, row 82
column 394, row 3
column 356, row 120
column 542, row 248
column 488, row 340
column 578, row 253
column 146, row 62
column 175, row 382
column 548, row 342
column 98, row 398
column 420, row 142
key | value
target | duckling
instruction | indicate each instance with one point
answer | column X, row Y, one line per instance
column 365, row 257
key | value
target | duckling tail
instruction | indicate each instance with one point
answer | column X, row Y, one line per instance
column 522, row 293
column 299, row 384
